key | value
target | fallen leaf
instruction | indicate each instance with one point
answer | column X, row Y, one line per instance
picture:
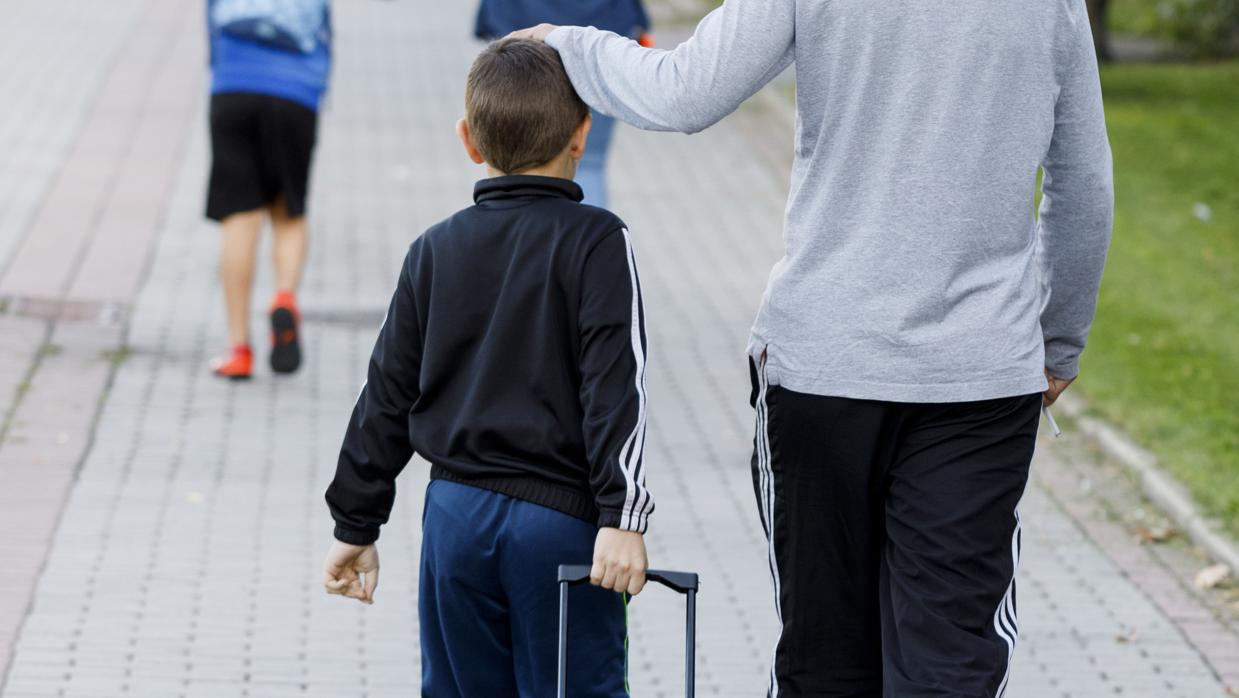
column 1156, row 534
column 1212, row 576
column 1126, row 638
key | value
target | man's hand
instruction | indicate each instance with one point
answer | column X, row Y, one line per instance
column 619, row 561
column 537, row 33
column 352, row 571
column 1057, row 386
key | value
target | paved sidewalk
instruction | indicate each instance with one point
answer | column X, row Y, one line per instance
column 96, row 99
column 187, row 560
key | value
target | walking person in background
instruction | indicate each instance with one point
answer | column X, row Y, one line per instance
column 497, row 18
column 905, row 344
column 270, row 61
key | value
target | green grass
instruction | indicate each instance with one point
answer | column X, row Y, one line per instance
column 1163, row 357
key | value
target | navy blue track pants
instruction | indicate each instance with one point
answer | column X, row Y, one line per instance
column 489, row 601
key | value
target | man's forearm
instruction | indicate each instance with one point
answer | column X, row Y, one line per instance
column 734, row 51
column 1074, row 266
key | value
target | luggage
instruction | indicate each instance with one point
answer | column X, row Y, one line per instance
column 683, row 582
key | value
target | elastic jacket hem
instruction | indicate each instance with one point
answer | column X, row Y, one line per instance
column 532, row 489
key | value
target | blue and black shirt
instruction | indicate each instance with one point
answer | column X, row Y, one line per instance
column 242, row 60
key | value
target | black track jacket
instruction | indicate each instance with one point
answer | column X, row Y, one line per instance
column 512, row 359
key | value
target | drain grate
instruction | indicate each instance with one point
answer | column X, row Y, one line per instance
column 57, row 309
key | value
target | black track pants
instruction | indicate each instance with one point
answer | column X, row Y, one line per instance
column 894, row 539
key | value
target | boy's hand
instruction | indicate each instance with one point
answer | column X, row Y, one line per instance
column 619, row 561
column 352, row 571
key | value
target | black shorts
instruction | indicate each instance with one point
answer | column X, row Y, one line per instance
column 261, row 148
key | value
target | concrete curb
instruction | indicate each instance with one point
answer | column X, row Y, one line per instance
column 1157, row 485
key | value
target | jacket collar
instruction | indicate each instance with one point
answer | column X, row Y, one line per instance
column 525, row 186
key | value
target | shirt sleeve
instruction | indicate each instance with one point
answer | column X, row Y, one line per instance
column 735, row 50
column 1077, row 206
column 376, row 444
column 613, row 355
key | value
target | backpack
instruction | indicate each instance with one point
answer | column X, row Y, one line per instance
column 292, row 25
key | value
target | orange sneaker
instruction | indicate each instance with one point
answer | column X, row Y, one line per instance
column 237, row 364
column 285, row 323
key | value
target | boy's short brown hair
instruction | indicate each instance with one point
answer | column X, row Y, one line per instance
column 520, row 106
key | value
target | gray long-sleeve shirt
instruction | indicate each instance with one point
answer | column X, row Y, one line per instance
column 912, row 269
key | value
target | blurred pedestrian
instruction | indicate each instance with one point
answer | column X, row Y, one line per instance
column 270, row 61
column 628, row 18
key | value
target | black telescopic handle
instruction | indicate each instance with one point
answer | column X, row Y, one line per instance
column 682, row 582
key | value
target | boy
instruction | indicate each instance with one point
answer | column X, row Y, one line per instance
column 512, row 359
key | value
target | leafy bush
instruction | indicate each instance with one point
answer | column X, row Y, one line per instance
column 1205, row 27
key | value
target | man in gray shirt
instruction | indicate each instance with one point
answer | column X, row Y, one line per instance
column 920, row 316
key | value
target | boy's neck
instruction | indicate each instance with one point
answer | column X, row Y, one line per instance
column 563, row 167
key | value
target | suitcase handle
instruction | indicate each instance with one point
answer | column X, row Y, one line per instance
column 683, row 582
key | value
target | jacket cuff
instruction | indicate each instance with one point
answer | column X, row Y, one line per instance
column 614, row 518
column 1062, row 360
column 356, row 536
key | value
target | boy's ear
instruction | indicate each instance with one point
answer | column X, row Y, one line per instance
column 466, row 139
column 576, row 146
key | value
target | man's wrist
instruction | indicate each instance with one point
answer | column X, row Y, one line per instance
column 556, row 36
column 1063, row 373
column 1062, row 358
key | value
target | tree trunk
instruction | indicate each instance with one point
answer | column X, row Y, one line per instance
column 1097, row 19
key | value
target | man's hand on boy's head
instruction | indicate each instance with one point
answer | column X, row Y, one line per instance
column 538, row 33
column 619, row 561
column 352, row 571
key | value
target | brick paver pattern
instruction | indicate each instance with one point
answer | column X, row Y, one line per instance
column 187, row 562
